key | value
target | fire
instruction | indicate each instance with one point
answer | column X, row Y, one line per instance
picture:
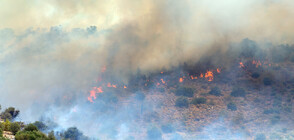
column 181, row 80
column 161, row 72
column 157, row 84
column 218, row 70
column 93, row 93
column 201, row 75
column 125, row 86
column 110, row 85
column 256, row 63
column 162, row 81
column 209, row 75
column 241, row 65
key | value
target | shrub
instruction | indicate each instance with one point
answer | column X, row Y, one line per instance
column 184, row 91
column 267, row 81
column 40, row 125
column 260, row 137
column 182, row 102
column 31, row 127
column 200, row 100
column 6, row 125
column 215, row 91
column 231, row 106
column 14, row 127
column 255, row 75
column 30, row 135
column 154, row 133
column 238, row 92
column 167, row 128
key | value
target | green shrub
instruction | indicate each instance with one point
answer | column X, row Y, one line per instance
column 30, row 135
column 31, row 127
column 154, row 134
column 197, row 101
column 231, row 106
column 215, row 91
column 182, row 102
column 14, row 127
column 260, row 137
column 238, row 92
column 184, row 91
column 267, row 81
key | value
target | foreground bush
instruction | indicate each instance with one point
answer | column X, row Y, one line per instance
column 182, row 102
column 184, row 91
column 197, row 101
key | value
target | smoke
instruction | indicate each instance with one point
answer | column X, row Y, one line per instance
column 50, row 55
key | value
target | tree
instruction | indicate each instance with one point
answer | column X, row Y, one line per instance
column 30, row 135
column 215, row 91
column 40, row 125
column 10, row 113
column 6, row 125
column 31, row 127
column 182, row 102
column 184, row 91
column 197, row 101
column 14, row 127
column 73, row 133
column 51, row 136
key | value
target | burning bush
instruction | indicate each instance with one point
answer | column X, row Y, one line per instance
column 238, row 92
column 231, row 106
column 182, row 102
column 215, row 91
column 197, row 101
column 184, row 91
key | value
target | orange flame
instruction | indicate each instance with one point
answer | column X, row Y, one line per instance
column 93, row 93
column 209, row 75
column 181, row 80
column 218, row 70
column 162, row 81
column 125, row 86
column 241, row 65
column 201, row 75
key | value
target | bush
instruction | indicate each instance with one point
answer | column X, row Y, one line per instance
column 200, row 100
column 183, row 91
column 40, row 125
column 31, row 127
column 255, row 75
column 238, row 92
column 6, row 125
column 260, row 137
column 215, row 91
column 182, row 102
column 267, row 81
column 14, row 127
column 154, row 133
column 231, row 106
column 9, row 113
column 30, row 135
column 167, row 128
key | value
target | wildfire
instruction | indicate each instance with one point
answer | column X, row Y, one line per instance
column 241, row 65
column 181, row 80
column 110, row 85
column 125, row 86
column 162, row 81
column 256, row 63
column 93, row 93
column 218, row 70
column 209, row 76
